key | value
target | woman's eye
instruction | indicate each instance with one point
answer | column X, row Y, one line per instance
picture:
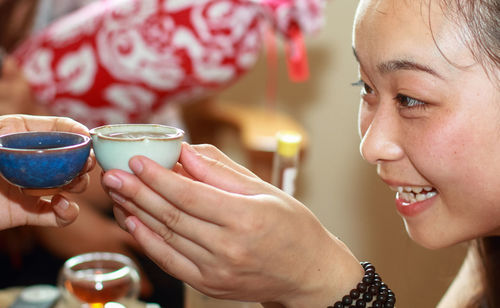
column 409, row 102
column 365, row 89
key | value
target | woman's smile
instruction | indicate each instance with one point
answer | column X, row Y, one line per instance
column 412, row 200
column 412, row 194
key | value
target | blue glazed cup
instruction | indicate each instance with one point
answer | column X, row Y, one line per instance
column 42, row 160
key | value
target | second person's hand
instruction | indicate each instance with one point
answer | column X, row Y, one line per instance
column 21, row 209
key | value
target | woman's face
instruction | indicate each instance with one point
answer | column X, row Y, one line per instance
column 429, row 120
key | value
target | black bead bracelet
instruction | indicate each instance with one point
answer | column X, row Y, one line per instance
column 371, row 290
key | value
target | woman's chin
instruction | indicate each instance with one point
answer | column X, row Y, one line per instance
column 431, row 240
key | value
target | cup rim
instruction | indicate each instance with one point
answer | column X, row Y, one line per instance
column 86, row 140
column 127, row 264
column 95, row 132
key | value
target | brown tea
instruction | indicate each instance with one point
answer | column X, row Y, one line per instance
column 139, row 134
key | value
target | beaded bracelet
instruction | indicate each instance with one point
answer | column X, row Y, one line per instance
column 371, row 289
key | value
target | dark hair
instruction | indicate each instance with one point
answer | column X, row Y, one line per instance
column 479, row 21
column 10, row 35
column 489, row 252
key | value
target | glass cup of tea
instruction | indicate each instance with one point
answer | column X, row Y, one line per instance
column 92, row 280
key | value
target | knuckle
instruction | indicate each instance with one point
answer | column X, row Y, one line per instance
column 165, row 262
column 236, row 255
column 206, row 148
column 212, row 164
column 165, row 233
column 170, row 217
column 218, row 279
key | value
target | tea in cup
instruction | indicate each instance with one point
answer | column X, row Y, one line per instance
column 114, row 145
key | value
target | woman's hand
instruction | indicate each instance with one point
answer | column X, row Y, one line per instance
column 214, row 224
column 20, row 209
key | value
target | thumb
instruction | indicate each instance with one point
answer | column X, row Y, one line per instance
column 218, row 173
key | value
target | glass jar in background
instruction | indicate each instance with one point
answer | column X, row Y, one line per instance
column 92, row 280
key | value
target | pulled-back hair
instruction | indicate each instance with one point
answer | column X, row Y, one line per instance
column 479, row 21
column 489, row 252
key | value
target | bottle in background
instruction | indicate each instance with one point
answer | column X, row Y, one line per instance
column 286, row 161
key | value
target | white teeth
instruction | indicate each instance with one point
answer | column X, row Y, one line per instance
column 412, row 189
column 420, row 197
column 418, row 189
column 430, row 194
column 412, row 194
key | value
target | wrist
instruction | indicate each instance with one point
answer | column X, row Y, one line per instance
column 334, row 274
column 370, row 290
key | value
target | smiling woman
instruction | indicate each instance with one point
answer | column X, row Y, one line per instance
column 428, row 120
column 429, row 104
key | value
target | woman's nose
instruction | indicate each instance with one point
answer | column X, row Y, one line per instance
column 380, row 142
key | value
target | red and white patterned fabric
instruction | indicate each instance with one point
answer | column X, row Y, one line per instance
column 116, row 61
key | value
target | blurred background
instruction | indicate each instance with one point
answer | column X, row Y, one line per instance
column 334, row 182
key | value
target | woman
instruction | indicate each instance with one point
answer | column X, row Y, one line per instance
column 30, row 210
column 428, row 118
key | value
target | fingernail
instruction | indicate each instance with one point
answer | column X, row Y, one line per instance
column 116, row 197
column 61, row 202
column 130, row 224
column 136, row 165
column 112, row 181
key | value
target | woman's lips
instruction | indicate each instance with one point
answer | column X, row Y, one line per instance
column 411, row 203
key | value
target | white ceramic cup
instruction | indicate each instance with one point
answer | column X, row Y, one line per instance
column 114, row 145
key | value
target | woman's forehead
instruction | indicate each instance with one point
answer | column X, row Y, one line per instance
column 409, row 29
column 399, row 10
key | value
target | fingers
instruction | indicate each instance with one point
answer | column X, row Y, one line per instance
column 120, row 215
column 90, row 164
column 219, row 172
column 169, row 259
column 216, row 169
column 56, row 212
column 160, row 215
column 65, row 211
column 22, row 122
column 215, row 154
column 179, row 170
column 204, row 201
column 67, row 124
column 195, row 198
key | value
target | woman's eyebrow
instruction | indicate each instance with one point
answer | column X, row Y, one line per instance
column 395, row 65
